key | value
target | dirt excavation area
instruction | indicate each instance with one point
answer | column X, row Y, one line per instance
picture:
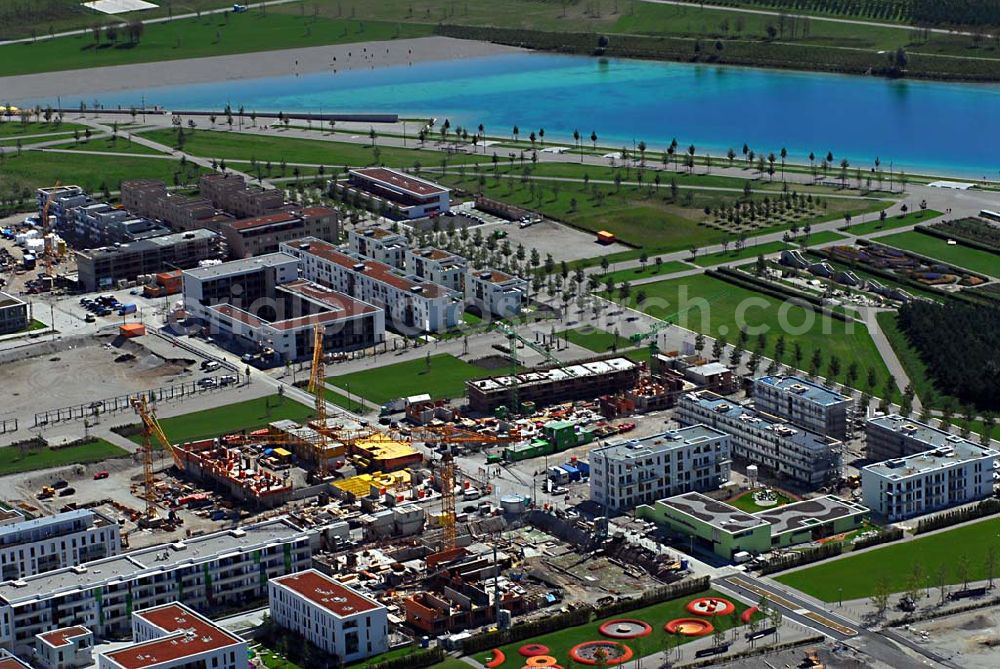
column 970, row 640
column 85, row 369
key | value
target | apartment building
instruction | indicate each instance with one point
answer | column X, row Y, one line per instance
column 101, row 224
column 48, row 543
column 264, row 234
column 14, row 314
column 548, row 386
column 337, row 619
column 641, row 471
column 411, row 304
column 401, row 195
column 952, row 473
column 248, row 284
column 381, row 245
column 809, row 459
column 174, row 636
column 230, row 193
column 221, row 571
column 102, row 268
column 11, row 661
column 803, row 402
column 438, row 266
column 150, row 198
column 495, row 292
column 60, row 200
column 893, row 436
column 64, row 648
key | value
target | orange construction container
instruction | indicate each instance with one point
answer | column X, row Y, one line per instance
column 605, row 237
column 132, row 330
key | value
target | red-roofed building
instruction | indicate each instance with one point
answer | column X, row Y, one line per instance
column 64, row 648
column 330, row 615
column 262, row 234
column 175, row 637
column 412, row 304
column 406, row 196
column 9, row 661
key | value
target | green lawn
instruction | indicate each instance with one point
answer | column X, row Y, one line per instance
column 595, row 340
column 275, row 148
column 822, row 237
column 210, row 35
column 343, row 402
column 745, row 502
column 656, row 616
column 955, row 254
column 247, row 415
column 34, row 169
column 442, row 376
column 652, row 270
column 857, row 575
column 13, row 129
column 733, row 254
column 13, row 460
column 108, row 145
column 891, row 222
column 708, row 305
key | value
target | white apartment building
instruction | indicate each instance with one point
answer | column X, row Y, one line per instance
column 411, row 304
column 379, row 244
column 436, row 265
column 892, row 436
column 495, row 292
column 405, row 196
column 956, row 473
column 175, row 637
column 48, row 543
column 330, row 615
column 805, row 403
column 810, row 459
column 64, row 648
column 223, row 570
column 641, row 471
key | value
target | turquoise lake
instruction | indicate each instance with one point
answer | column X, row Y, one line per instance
column 915, row 125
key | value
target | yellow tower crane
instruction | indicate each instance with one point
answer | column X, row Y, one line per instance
column 151, row 429
column 317, row 384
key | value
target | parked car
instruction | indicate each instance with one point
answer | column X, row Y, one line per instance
column 66, row 492
column 207, row 383
column 103, row 474
column 60, row 484
column 227, row 380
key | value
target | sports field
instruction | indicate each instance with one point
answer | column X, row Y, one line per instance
column 955, row 254
column 439, row 375
column 719, row 308
column 855, row 576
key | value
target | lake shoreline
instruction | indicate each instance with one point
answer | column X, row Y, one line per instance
column 73, row 86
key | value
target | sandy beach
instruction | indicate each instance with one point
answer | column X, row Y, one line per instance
column 71, row 85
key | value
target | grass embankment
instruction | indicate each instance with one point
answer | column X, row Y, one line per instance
column 954, row 254
column 275, row 149
column 109, row 145
column 651, row 271
column 656, row 616
column 248, row 415
column 735, row 254
column 349, row 403
column 441, row 376
column 34, row 169
column 821, row 237
column 891, row 222
column 12, row 128
column 210, row 35
column 14, row 460
column 713, row 307
column 857, row 576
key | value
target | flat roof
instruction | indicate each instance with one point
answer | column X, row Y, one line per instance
column 942, row 457
column 926, row 434
column 805, row 388
column 377, row 232
column 186, row 634
column 553, row 375
column 659, row 443
column 495, row 276
column 323, row 591
column 9, row 661
column 62, row 637
column 336, row 306
column 149, row 243
column 151, row 560
column 378, row 271
column 241, row 266
column 718, row 514
column 809, row 512
column 401, row 181
column 263, row 221
column 8, row 300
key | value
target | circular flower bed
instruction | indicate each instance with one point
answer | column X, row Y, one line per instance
column 533, row 649
column 625, row 628
column 587, row 652
column 689, row 627
column 710, row 606
column 497, row 659
column 540, row 661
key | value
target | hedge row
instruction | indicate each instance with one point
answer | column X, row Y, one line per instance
column 885, row 536
column 987, row 507
column 762, row 53
column 775, row 290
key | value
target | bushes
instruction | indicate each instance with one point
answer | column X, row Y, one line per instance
column 987, row 507
column 655, row 596
column 421, row 658
column 883, row 537
column 799, row 558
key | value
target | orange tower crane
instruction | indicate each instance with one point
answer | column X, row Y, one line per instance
column 317, row 385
